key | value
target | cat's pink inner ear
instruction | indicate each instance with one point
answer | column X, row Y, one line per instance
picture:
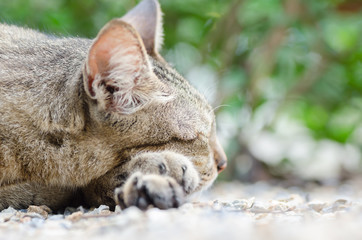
column 117, row 43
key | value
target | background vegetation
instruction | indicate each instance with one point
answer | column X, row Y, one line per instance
column 285, row 76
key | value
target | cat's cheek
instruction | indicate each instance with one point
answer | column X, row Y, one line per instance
column 207, row 172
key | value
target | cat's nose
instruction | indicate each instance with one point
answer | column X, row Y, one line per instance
column 221, row 166
column 219, row 156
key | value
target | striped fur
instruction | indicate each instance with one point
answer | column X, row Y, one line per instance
column 61, row 144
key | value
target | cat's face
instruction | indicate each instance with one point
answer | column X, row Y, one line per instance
column 184, row 124
column 141, row 102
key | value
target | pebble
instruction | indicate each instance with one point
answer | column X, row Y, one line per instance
column 260, row 207
column 100, row 209
column 41, row 210
column 76, row 216
column 242, row 204
column 317, row 205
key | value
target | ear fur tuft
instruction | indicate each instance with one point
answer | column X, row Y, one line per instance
column 118, row 73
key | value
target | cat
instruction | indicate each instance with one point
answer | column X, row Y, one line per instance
column 103, row 121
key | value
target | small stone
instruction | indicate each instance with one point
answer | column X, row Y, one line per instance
column 216, row 205
column 69, row 210
column 278, row 206
column 76, row 216
column 242, row 204
column 42, row 210
column 340, row 202
column 102, row 209
column 81, row 209
column 260, row 207
column 339, row 205
column 317, row 206
column 226, row 204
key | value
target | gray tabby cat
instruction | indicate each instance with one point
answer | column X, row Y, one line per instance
column 101, row 122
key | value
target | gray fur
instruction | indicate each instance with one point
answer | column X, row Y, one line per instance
column 59, row 147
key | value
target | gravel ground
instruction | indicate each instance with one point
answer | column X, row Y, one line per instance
column 228, row 211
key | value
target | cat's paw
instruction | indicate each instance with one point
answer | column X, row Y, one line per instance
column 144, row 191
column 170, row 164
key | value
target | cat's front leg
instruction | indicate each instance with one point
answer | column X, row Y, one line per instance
column 22, row 195
column 161, row 180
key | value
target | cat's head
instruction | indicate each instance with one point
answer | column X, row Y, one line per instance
column 141, row 103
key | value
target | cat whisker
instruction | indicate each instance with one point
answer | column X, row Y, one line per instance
column 222, row 105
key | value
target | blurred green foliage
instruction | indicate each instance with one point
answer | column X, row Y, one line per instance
column 302, row 57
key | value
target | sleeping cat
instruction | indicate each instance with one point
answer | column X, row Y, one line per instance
column 103, row 121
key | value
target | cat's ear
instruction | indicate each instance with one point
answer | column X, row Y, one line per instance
column 146, row 18
column 118, row 73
